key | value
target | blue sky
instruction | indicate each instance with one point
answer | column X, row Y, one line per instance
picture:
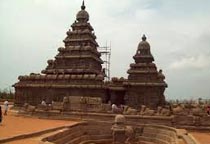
column 178, row 31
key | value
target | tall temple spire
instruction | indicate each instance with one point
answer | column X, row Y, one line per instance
column 78, row 66
column 83, row 5
column 145, row 85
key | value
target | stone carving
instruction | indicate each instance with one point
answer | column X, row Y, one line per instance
column 178, row 110
column 165, row 112
column 25, row 106
column 66, row 104
column 143, row 107
column 130, row 111
column 106, row 108
column 159, row 109
column 58, row 106
column 29, row 108
column 121, row 133
column 189, row 109
column 149, row 112
column 197, row 111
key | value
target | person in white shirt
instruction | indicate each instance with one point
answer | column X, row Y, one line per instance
column 43, row 103
column 117, row 108
column 6, row 106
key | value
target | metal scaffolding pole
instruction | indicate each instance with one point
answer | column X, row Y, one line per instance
column 106, row 56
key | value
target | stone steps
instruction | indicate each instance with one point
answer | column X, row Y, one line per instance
column 159, row 134
column 163, row 137
column 97, row 137
column 77, row 140
column 153, row 140
column 188, row 140
column 100, row 141
column 68, row 137
column 90, row 139
column 145, row 142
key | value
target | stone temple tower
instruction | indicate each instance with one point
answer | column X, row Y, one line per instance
column 145, row 85
column 75, row 71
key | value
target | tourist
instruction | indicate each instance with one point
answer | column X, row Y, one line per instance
column 43, row 103
column 0, row 115
column 116, row 109
column 6, row 106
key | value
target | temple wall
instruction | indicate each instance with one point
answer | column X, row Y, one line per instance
column 34, row 96
column 117, row 97
column 149, row 96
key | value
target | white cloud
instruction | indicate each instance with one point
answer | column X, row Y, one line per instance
column 192, row 62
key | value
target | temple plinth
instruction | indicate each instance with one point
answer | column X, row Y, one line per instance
column 145, row 85
column 75, row 71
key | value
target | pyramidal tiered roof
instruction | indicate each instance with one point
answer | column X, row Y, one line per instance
column 80, row 55
column 77, row 65
column 144, row 71
column 145, row 85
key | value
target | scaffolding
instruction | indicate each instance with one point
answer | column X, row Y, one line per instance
column 105, row 52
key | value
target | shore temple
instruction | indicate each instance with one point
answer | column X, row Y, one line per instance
column 77, row 71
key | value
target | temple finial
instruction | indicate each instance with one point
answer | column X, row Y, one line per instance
column 83, row 5
column 144, row 38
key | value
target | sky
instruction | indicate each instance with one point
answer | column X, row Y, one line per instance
column 178, row 31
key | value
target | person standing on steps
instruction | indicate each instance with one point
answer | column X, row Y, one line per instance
column 0, row 115
column 6, row 106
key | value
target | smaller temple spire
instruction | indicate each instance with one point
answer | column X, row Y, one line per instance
column 83, row 5
column 144, row 38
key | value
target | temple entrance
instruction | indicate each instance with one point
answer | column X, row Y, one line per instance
column 117, row 97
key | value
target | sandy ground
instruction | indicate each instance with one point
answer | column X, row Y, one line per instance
column 202, row 137
column 32, row 140
column 14, row 125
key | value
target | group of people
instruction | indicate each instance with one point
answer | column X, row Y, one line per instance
column 6, row 107
column 43, row 103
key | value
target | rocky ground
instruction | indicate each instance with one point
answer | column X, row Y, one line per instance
column 202, row 137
